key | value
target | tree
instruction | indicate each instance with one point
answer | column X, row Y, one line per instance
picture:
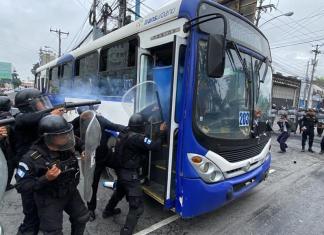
column 15, row 79
column 35, row 66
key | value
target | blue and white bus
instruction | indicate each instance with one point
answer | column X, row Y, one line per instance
column 212, row 69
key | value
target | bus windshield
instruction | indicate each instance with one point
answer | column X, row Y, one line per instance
column 222, row 104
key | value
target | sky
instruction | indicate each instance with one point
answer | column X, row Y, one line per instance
column 25, row 28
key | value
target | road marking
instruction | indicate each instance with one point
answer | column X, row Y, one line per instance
column 158, row 225
column 271, row 171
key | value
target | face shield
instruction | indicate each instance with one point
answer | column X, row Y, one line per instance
column 40, row 103
column 62, row 141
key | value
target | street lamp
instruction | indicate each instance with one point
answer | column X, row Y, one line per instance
column 286, row 14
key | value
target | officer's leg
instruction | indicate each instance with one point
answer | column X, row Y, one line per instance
column 11, row 169
column 50, row 212
column 304, row 138
column 310, row 140
column 279, row 137
column 78, row 212
column 322, row 146
column 30, row 224
column 93, row 202
column 136, row 209
column 117, row 196
column 284, row 139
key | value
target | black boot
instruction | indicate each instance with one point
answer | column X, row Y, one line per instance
column 92, row 215
column 109, row 213
column 310, row 150
column 78, row 229
column 303, row 149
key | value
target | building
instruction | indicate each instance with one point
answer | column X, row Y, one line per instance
column 27, row 84
column 46, row 56
column 6, row 71
column 285, row 91
column 246, row 8
column 316, row 94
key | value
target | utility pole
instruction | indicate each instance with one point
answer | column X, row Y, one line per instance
column 314, row 63
column 122, row 13
column 137, row 9
column 306, row 84
column 59, row 32
column 261, row 8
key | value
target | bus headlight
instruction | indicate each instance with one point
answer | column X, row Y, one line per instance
column 206, row 169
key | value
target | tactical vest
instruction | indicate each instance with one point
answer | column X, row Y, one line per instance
column 69, row 178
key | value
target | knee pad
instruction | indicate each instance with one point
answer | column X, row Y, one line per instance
column 136, row 205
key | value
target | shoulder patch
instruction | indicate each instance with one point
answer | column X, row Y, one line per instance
column 21, row 173
column 147, row 140
column 35, row 155
column 24, row 165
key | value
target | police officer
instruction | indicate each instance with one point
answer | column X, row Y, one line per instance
column 29, row 102
column 102, row 153
column 50, row 171
column 307, row 126
column 133, row 146
column 7, row 139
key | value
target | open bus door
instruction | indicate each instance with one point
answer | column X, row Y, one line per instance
column 158, row 85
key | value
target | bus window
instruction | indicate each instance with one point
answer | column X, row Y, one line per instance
column 54, row 80
column 118, row 68
column 86, row 69
column 66, row 73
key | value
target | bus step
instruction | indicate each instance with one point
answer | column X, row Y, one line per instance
column 155, row 191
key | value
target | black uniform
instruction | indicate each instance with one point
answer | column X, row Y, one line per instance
column 101, row 152
column 29, row 102
column 285, row 128
column 309, row 121
column 26, row 133
column 133, row 148
column 52, row 197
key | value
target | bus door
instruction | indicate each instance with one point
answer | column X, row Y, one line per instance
column 159, row 66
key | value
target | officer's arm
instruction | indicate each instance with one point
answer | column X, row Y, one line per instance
column 148, row 144
column 106, row 124
column 79, row 144
column 29, row 119
column 26, row 179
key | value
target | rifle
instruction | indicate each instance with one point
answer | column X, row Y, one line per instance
column 71, row 105
column 7, row 121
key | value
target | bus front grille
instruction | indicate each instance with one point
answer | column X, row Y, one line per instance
column 242, row 154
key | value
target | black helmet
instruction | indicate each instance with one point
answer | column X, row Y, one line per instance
column 5, row 104
column 136, row 123
column 57, row 133
column 31, row 100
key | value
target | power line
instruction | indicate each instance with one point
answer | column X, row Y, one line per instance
column 300, row 43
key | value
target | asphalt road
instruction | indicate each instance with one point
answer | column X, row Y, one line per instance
column 289, row 202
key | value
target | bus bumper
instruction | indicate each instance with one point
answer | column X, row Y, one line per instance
column 200, row 197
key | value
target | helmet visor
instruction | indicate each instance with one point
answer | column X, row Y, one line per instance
column 60, row 141
column 41, row 103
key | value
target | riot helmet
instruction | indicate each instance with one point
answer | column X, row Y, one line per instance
column 57, row 133
column 136, row 123
column 31, row 100
column 5, row 104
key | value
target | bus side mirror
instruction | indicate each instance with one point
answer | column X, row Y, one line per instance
column 216, row 56
column 267, row 64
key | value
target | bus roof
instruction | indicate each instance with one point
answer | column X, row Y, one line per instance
column 164, row 14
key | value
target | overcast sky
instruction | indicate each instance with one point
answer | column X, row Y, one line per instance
column 25, row 27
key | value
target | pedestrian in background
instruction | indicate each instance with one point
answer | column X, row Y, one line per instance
column 307, row 126
column 285, row 127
